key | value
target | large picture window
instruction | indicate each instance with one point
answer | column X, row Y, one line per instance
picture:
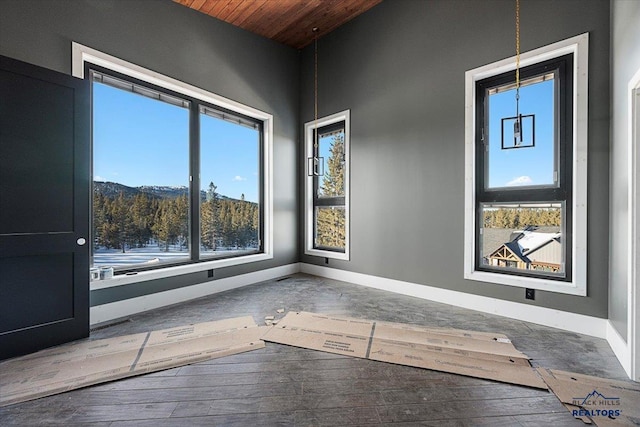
column 181, row 177
column 327, row 189
column 143, row 209
column 525, row 187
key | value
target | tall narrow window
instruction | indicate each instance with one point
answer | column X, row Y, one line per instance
column 140, row 173
column 327, row 219
column 523, row 190
column 525, row 175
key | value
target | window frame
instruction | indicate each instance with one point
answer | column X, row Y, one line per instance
column 312, row 182
column 84, row 57
column 576, row 266
column 560, row 190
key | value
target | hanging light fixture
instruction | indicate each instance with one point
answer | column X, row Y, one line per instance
column 518, row 120
column 315, row 164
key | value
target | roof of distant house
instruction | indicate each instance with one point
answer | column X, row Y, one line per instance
column 526, row 242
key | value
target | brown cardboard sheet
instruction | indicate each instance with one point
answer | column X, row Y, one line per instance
column 605, row 402
column 85, row 363
column 497, row 348
column 487, row 336
column 470, row 364
column 481, row 355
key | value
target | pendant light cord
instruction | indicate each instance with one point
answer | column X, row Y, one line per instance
column 315, row 90
column 517, row 56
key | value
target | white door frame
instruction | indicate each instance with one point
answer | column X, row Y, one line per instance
column 633, row 304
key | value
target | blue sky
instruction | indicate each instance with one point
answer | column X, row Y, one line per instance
column 522, row 166
column 325, row 143
column 140, row 141
column 229, row 157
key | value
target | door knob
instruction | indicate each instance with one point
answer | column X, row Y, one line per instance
column 81, row 241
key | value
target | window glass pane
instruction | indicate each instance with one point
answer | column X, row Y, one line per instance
column 230, row 186
column 526, row 162
column 330, row 230
column 141, row 178
column 523, row 237
column 331, row 150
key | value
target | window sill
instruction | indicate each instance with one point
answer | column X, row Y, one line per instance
column 541, row 284
column 327, row 254
column 163, row 273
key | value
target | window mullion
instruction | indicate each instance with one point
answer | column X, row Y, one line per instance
column 330, row 201
column 315, row 149
column 194, row 179
column 537, row 195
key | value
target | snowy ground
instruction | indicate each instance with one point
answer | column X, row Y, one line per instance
column 148, row 255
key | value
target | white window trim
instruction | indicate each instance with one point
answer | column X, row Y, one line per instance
column 633, row 288
column 308, row 134
column 579, row 46
column 82, row 54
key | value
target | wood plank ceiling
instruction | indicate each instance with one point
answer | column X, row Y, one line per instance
column 286, row 21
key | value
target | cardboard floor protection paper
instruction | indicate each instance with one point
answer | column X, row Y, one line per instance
column 76, row 365
column 477, row 354
column 604, row 402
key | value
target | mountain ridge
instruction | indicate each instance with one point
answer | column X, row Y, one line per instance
column 112, row 189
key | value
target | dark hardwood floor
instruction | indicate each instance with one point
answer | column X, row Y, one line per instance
column 281, row 385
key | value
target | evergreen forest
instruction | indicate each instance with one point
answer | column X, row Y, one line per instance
column 135, row 219
column 522, row 217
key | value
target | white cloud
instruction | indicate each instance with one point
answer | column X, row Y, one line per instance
column 98, row 178
column 239, row 178
column 521, row 180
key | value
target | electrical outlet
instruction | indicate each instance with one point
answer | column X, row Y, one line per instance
column 530, row 293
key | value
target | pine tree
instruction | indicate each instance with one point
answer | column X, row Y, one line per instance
column 331, row 221
column 120, row 222
column 99, row 218
column 209, row 224
column 333, row 179
column 171, row 223
column 160, row 226
column 181, row 218
column 142, row 214
column 227, row 231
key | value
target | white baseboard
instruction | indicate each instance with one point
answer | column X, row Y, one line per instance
column 620, row 347
column 578, row 323
column 128, row 307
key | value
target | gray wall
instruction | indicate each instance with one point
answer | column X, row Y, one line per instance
column 625, row 62
column 400, row 69
column 176, row 41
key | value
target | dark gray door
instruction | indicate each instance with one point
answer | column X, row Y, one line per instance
column 44, row 208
